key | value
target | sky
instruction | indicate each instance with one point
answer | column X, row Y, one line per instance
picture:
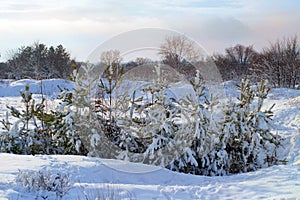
column 81, row 25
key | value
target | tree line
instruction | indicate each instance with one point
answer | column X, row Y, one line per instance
column 279, row 63
column 38, row 62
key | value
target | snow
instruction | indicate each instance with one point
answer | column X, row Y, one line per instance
column 10, row 88
column 139, row 181
column 92, row 173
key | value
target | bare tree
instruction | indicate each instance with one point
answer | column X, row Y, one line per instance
column 236, row 63
column 180, row 53
column 240, row 54
column 111, row 58
column 142, row 60
column 293, row 61
column 280, row 63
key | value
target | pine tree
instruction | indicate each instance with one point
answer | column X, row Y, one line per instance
column 199, row 130
column 246, row 135
column 37, row 131
column 148, row 125
column 81, row 109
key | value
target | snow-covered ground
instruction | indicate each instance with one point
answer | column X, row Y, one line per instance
column 123, row 180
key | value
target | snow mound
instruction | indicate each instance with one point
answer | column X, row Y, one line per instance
column 94, row 174
column 10, row 88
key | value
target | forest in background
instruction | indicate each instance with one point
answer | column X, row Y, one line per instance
column 279, row 63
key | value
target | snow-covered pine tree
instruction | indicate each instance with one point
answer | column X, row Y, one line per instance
column 148, row 125
column 30, row 134
column 4, row 136
column 199, row 130
column 161, row 128
column 38, row 131
column 107, row 101
column 62, row 120
column 27, row 135
column 82, row 110
column 246, row 137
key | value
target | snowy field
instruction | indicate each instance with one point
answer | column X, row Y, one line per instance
column 93, row 177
